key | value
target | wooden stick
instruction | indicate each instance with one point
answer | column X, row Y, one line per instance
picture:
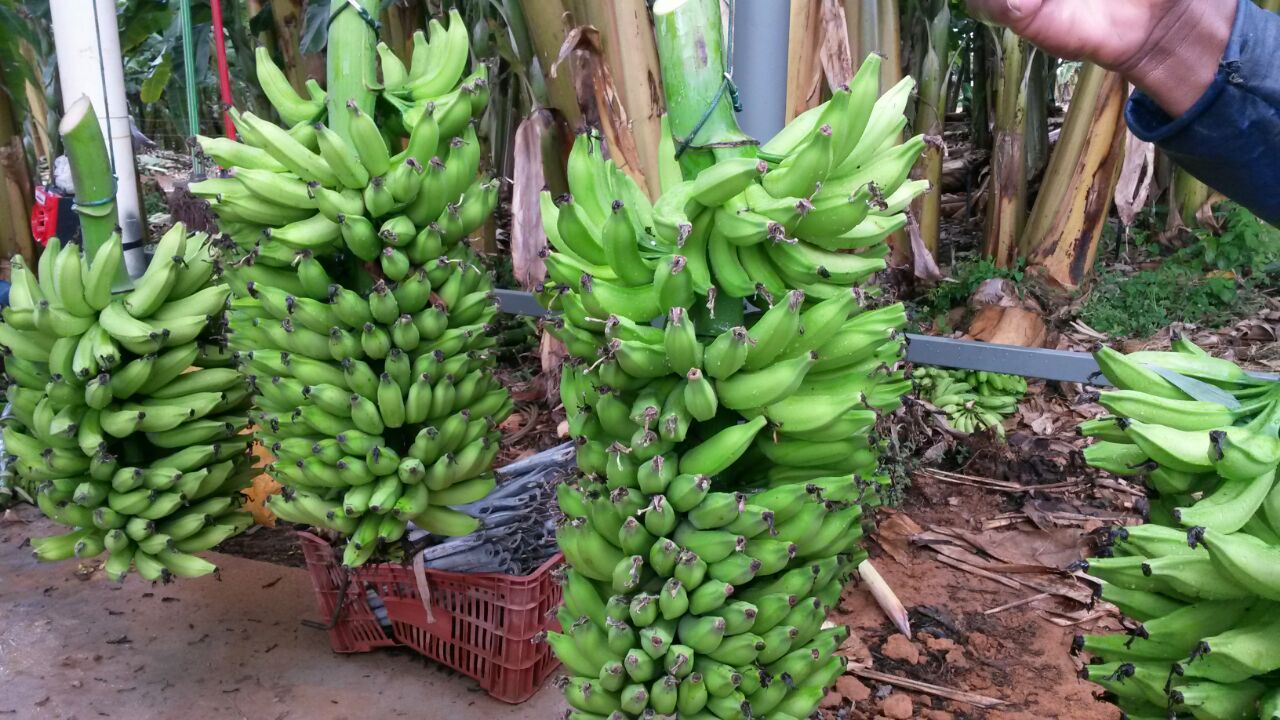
column 1016, row 603
column 968, row 698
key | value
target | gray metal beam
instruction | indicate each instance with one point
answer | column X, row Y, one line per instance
column 1059, row 365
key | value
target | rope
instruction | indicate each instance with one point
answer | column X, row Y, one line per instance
column 727, row 85
column 106, row 102
column 368, row 19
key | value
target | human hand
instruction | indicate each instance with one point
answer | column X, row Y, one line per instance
column 1171, row 48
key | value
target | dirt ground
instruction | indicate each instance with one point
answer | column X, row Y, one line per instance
column 1017, row 656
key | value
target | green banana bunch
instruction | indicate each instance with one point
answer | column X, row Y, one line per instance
column 1207, row 562
column 973, row 400
column 360, row 315
column 127, row 426
column 725, row 457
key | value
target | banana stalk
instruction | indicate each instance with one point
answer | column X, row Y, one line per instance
column 1071, row 210
column 91, row 171
column 352, row 62
column 691, row 49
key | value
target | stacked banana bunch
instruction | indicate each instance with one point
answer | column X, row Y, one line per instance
column 973, row 400
column 125, row 414
column 724, row 461
column 361, row 317
column 1200, row 582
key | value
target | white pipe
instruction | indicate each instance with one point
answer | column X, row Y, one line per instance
column 760, row 65
column 85, row 55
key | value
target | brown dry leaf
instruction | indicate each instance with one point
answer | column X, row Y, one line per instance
column 1049, row 549
column 894, row 533
column 837, row 60
column 1136, row 176
column 923, row 266
column 598, row 97
column 1008, row 326
column 528, row 239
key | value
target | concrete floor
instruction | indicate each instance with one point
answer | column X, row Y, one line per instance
column 73, row 645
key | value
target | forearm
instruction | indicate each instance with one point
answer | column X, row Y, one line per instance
column 1229, row 136
column 1182, row 62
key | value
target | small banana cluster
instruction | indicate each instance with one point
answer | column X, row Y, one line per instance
column 725, row 459
column 973, row 400
column 1201, row 580
column 126, row 417
column 361, row 316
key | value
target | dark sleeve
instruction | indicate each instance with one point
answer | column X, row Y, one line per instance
column 1230, row 139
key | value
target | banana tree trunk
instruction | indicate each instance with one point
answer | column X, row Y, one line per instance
column 546, row 21
column 630, row 52
column 804, row 67
column 931, row 113
column 1074, row 203
column 980, row 102
column 874, row 26
column 399, row 21
column 1037, row 131
column 1007, row 196
column 15, row 190
column 286, row 16
column 1187, row 196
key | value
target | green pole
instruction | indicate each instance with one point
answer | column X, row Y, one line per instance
column 189, row 68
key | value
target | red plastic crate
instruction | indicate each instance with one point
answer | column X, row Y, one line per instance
column 484, row 623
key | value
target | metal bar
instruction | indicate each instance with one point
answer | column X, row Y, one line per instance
column 1059, row 365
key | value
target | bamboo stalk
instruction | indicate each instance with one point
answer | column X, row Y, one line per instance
column 91, row 172
column 930, row 119
column 352, row 62
column 631, row 53
column 1071, row 211
column 1006, row 208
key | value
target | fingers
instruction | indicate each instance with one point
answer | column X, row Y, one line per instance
column 1013, row 13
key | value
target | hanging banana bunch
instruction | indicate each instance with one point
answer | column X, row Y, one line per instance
column 361, row 316
column 125, row 416
column 973, row 400
column 1200, row 582
column 725, row 458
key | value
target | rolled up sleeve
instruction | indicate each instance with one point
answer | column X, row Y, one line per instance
column 1230, row 139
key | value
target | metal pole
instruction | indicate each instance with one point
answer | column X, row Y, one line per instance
column 89, row 64
column 760, row 65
